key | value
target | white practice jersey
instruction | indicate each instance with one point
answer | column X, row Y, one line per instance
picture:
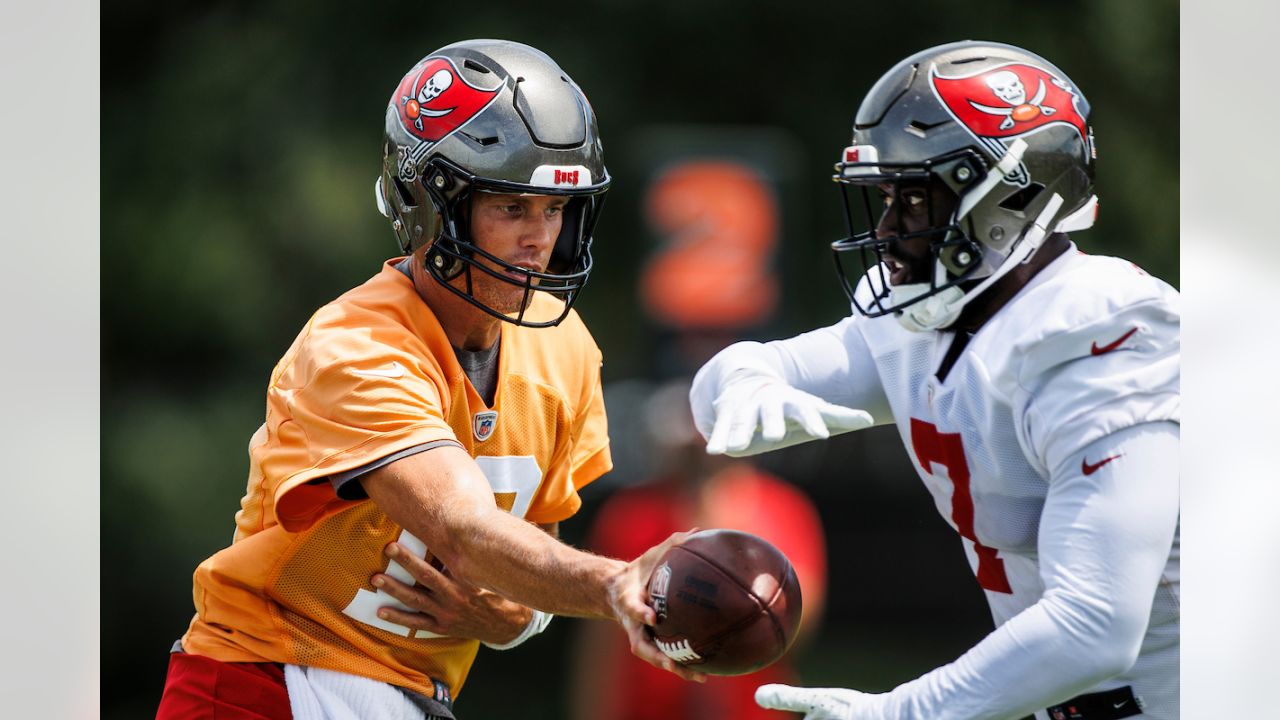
column 1016, row 446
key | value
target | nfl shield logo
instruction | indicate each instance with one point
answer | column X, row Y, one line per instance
column 482, row 424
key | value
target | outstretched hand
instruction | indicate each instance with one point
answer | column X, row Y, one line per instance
column 816, row 703
column 782, row 415
column 628, row 596
column 446, row 605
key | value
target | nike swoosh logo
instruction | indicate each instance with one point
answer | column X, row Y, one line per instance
column 396, row 370
column 1112, row 346
column 1120, row 704
column 1088, row 469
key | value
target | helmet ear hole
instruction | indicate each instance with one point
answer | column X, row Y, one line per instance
column 406, row 197
column 1020, row 200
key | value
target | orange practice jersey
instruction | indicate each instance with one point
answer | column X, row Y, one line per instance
column 373, row 374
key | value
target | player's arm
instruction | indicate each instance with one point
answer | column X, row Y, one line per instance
column 1104, row 541
column 757, row 397
column 447, row 605
column 441, row 496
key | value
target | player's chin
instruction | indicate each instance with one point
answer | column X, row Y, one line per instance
column 508, row 300
column 909, row 276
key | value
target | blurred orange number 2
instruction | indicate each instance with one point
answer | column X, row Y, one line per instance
column 719, row 221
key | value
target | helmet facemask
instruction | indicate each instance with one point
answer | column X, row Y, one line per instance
column 954, row 258
column 963, row 267
column 454, row 252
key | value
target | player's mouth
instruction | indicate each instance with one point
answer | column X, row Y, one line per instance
column 899, row 273
column 520, row 277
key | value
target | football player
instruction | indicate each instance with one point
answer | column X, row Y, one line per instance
column 428, row 430
column 1036, row 389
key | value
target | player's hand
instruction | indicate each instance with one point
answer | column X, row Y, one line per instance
column 816, row 703
column 445, row 605
column 760, row 414
column 629, row 595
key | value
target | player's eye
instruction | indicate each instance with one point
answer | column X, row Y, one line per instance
column 512, row 209
column 555, row 210
column 914, row 199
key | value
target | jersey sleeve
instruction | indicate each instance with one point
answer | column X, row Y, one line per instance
column 590, row 457
column 1104, row 540
column 582, row 453
column 348, row 415
column 1103, row 364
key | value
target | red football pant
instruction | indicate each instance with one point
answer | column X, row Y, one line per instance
column 201, row 688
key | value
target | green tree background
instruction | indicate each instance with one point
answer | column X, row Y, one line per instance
column 240, row 142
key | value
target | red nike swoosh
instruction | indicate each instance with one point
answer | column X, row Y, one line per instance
column 1091, row 469
column 1112, row 346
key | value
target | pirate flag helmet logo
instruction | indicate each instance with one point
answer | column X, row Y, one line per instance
column 1008, row 101
column 433, row 101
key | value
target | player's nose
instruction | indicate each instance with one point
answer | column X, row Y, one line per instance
column 540, row 233
column 887, row 227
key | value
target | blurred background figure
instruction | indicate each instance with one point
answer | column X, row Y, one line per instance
column 689, row 488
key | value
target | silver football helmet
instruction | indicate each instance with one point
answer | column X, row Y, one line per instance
column 1006, row 131
column 495, row 116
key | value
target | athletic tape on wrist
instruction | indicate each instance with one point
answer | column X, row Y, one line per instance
column 536, row 624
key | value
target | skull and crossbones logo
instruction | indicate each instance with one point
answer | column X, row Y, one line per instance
column 1007, row 86
column 416, row 107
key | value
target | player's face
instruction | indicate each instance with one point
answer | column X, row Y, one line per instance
column 520, row 229
column 913, row 208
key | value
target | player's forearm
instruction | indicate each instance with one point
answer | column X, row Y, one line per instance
column 442, row 498
column 1028, row 664
column 513, row 558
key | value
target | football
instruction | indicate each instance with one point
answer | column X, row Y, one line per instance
column 728, row 602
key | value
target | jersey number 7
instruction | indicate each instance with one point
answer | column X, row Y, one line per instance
column 945, row 449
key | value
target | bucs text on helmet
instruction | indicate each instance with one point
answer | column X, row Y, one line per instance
column 491, row 116
column 1005, row 131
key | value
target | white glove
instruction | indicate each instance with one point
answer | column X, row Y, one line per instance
column 817, row 703
column 784, row 415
